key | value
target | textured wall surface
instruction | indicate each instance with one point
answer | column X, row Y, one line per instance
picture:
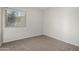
column 33, row 26
column 63, row 24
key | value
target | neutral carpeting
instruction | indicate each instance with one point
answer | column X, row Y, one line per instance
column 39, row 43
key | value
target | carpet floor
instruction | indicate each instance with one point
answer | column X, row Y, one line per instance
column 39, row 43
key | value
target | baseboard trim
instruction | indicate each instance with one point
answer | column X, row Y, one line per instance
column 23, row 38
column 62, row 40
column 46, row 36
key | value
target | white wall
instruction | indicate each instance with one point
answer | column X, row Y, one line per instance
column 0, row 29
column 0, row 25
column 33, row 26
column 63, row 24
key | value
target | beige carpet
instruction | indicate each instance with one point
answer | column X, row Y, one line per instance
column 39, row 43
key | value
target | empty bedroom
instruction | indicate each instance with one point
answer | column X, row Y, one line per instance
column 39, row 28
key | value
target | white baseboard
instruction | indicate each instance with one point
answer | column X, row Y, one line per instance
column 45, row 35
column 62, row 40
column 5, row 41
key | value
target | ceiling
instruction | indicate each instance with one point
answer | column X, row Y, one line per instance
column 42, row 8
column 23, row 8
